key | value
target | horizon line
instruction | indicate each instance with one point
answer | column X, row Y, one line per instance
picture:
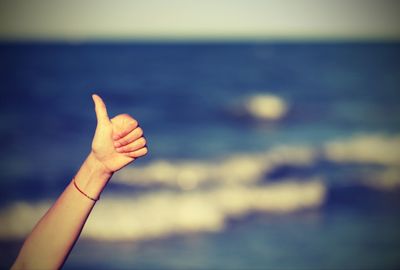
column 203, row 39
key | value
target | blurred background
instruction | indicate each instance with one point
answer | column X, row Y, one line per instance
column 273, row 129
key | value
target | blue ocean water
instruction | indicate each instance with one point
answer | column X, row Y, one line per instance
column 339, row 139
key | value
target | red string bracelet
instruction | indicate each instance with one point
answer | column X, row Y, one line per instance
column 87, row 196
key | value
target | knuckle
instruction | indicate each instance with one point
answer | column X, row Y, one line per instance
column 140, row 131
column 134, row 123
column 139, row 153
column 142, row 141
column 130, row 120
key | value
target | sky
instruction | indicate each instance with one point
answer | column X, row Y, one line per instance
column 200, row 19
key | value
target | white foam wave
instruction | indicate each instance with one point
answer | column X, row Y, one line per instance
column 233, row 191
column 238, row 168
column 266, row 107
column 388, row 179
column 367, row 148
column 159, row 214
column 19, row 218
column 251, row 168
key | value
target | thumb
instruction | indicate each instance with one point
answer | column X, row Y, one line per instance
column 101, row 110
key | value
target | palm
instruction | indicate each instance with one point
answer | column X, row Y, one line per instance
column 122, row 128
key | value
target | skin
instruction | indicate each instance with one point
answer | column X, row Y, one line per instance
column 116, row 143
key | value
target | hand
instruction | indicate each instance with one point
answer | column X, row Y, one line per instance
column 117, row 142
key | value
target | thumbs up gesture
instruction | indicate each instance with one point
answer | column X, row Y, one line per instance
column 117, row 141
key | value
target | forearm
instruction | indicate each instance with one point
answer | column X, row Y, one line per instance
column 50, row 242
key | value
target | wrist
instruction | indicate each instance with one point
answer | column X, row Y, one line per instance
column 97, row 167
column 92, row 177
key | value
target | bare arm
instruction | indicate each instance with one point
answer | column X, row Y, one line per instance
column 116, row 143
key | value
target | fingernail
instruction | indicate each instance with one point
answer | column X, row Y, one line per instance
column 117, row 144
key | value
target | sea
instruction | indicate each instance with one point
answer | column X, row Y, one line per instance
column 262, row 155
